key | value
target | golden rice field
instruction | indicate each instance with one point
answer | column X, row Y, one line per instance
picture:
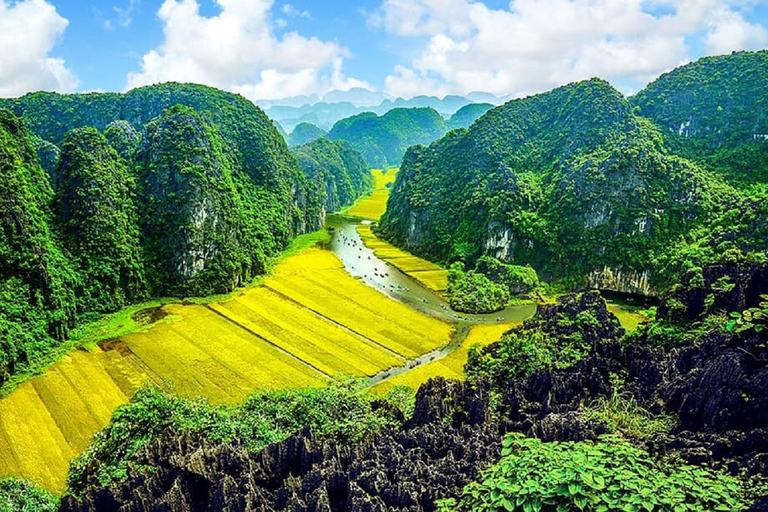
column 452, row 365
column 308, row 321
column 427, row 273
column 361, row 309
column 374, row 206
column 51, row 418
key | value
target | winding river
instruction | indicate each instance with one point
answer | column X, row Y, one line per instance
column 361, row 262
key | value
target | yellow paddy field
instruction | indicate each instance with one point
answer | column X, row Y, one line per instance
column 427, row 273
column 629, row 320
column 308, row 321
column 374, row 206
column 452, row 365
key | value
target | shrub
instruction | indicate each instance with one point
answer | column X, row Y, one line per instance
column 593, row 476
column 22, row 496
column 472, row 292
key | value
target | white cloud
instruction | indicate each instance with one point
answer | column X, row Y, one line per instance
column 732, row 32
column 238, row 50
column 535, row 45
column 28, row 32
column 124, row 14
column 290, row 10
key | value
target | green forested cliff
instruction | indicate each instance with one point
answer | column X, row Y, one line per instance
column 383, row 140
column 95, row 209
column 571, row 182
column 339, row 170
column 37, row 283
column 715, row 111
column 169, row 190
column 305, row 133
column 191, row 212
column 467, row 115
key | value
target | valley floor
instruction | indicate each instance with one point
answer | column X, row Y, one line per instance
column 308, row 321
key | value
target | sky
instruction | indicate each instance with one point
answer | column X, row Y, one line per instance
column 272, row 49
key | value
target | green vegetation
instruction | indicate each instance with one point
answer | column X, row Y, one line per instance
column 607, row 475
column 305, row 133
column 751, row 318
column 621, row 413
column 37, row 282
column 713, row 112
column 383, row 140
column 569, row 333
column 570, row 182
column 339, row 170
column 21, row 496
column 99, row 222
column 467, row 115
column 123, row 137
column 343, row 411
column 519, row 280
column 472, row 292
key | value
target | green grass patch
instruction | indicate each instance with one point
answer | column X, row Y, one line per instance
column 622, row 414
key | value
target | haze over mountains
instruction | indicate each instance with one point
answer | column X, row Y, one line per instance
column 335, row 105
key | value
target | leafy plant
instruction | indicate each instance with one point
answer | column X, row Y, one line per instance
column 593, row 476
column 751, row 318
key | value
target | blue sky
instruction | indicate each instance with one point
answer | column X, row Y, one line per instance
column 267, row 49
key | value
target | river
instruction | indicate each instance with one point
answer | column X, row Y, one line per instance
column 363, row 264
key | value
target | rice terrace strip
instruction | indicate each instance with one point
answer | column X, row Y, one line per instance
column 432, row 276
column 374, row 206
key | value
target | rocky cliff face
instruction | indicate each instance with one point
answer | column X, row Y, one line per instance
column 189, row 206
column 617, row 280
column 570, row 182
column 452, row 434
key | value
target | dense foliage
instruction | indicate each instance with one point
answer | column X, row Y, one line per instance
column 21, row 496
column 99, row 223
column 37, row 282
column 517, row 279
column 197, row 228
column 339, row 171
column 305, row 133
column 473, row 292
column 713, row 112
column 570, row 182
column 383, row 140
column 343, row 411
column 594, row 476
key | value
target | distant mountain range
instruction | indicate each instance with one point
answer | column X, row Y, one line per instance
column 335, row 105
